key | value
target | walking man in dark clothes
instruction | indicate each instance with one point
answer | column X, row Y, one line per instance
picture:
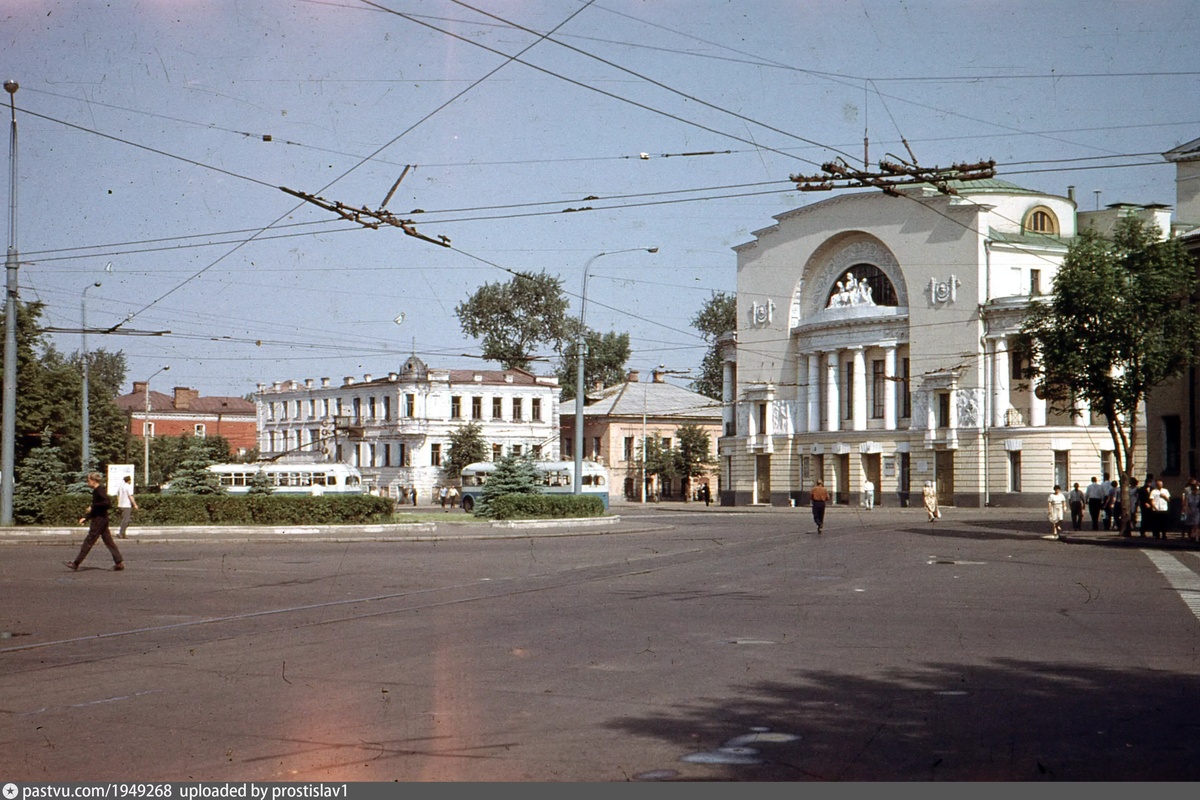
column 98, row 526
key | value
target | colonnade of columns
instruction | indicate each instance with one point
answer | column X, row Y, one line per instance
column 823, row 373
column 999, row 372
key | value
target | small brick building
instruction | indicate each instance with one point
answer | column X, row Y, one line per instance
column 187, row 412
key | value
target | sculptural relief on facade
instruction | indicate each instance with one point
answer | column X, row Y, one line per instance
column 969, row 402
column 762, row 314
column 851, row 293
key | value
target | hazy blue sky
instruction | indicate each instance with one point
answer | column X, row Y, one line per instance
column 142, row 125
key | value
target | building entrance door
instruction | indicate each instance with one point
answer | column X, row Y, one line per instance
column 872, row 473
column 841, row 479
column 944, row 477
column 762, row 479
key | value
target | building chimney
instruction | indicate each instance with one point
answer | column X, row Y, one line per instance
column 184, row 397
column 139, row 387
column 1071, row 193
column 633, row 376
column 324, row 381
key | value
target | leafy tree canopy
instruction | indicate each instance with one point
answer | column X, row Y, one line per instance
column 467, row 446
column 604, row 359
column 1120, row 321
column 192, row 475
column 718, row 316
column 513, row 318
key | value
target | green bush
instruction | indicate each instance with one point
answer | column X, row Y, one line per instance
column 233, row 509
column 545, row 506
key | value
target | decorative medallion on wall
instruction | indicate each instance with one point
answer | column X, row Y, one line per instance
column 762, row 314
column 944, row 291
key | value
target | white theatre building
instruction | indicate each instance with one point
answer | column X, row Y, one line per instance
column 878, row 338
column 396, row 429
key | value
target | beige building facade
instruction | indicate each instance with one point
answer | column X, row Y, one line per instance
column 878, row 339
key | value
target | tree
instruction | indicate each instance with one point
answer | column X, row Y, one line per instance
column 513, row 318
column 1119, row 322
column 40, row 476
column 717, row 317
column 260, row 484
column 168, row 454
column 467, row 446
column 695, row 456
column 513, row 475
column 192, row 476
column 604, row 359
column 659, row 460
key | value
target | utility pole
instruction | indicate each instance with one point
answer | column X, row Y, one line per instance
column 86, row 453
column 8, row 436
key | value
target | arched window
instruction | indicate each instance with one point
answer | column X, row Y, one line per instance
column 1041, row 220
column 881, row 290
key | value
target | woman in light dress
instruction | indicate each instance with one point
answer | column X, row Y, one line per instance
column 929, row 495
column 1056, row 506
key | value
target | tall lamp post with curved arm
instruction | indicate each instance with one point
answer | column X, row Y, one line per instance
column 85, row 428
column 146, row 428
column 577, row 487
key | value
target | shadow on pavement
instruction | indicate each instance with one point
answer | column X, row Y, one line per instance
column 1008, row 720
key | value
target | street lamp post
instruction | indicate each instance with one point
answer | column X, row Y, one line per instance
column 146, row 429
column 8, row 433
column 86, row 454
column 577, row 487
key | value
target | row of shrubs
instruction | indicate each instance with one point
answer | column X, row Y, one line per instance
column 544, row 506
column 233, row 509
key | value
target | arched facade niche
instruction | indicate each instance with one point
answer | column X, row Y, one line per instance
column 858, row 253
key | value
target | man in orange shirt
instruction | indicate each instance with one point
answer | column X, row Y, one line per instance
column 819, row 498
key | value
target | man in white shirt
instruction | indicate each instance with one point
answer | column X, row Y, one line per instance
column 1160, row 502
column 126, row 503
column 1095, row 501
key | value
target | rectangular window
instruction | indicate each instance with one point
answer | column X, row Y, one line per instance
column 372, row 453
column 1061, row 475
column 324, row 406
column 199, row 430
column 535, row 409
column 435, row 455
column 497, row 452
column 357, row 409
column 516, row 404
column 410, row 405
column 402, row 454
column 387, row 407
column 906, row 395
column 497, row 408
column 371, row 407
column 456, row 408
column 148, row 431
column 848, row 407
column 628, row 453
column 312, row 408
column 537, row 451
column 762, row 418
column 568, row 447
column 1035, row 282
column 1014, row 470
column 666, row 443
column 596, row 447
column 283, row 409
column 943, row 409
column 387, row 455
column 476, row 408
column 516, row 449
column 1172, row 445
column 877, row 389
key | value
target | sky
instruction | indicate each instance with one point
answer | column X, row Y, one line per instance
column 154, row 138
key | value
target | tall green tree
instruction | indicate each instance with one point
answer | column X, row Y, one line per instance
column 467, row 446
column 718, row 316
column 40, row 476
column 49, row 393
column 513, row 475
column 1121, row 320
column 192, row 475
column 513, row 318
column 694, row 453
column 168, row 453
column 604, row 359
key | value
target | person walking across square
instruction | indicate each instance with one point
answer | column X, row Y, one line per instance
column 1075, row 500
column 1095, row 501
column 819, row 497
column 97, row 517
column 125, row 502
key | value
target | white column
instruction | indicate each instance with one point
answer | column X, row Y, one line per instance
column 1037, row 406
column 1085, row 412
column 931, row 401
column 832, row 404
column 859, row 411
column 800, row 407
column 727, row 407
column 1000, row 372
column 889, row 387
column 814, row 392
column 954, row 408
